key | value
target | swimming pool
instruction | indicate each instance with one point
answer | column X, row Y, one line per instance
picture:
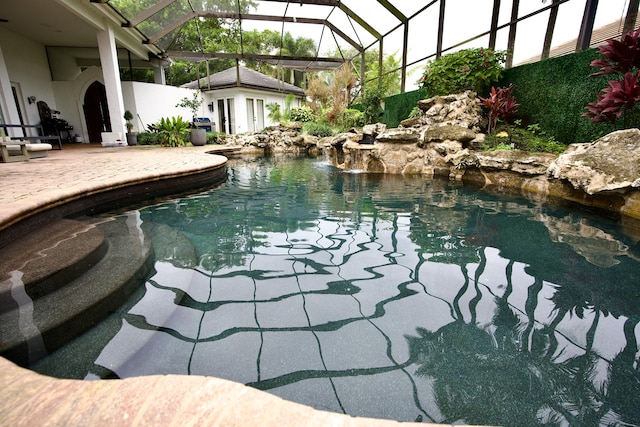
column 382, row 296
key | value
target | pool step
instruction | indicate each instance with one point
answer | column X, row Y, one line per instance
column 56, row 294
column 49, row 258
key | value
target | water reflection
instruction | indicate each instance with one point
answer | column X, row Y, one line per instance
column 386, row 297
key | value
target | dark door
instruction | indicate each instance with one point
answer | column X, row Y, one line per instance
column 222, row 118
column 96, row 111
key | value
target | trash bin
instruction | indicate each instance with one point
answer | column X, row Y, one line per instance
column 203, row 123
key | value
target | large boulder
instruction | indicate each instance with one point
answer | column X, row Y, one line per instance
column 518, row 161
column 399, row 135
column 461, row 109
column 610, row 163
column 448, row 133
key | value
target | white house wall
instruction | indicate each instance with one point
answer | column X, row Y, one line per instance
column 240, row 96
column 149, row 102
column 27, row 66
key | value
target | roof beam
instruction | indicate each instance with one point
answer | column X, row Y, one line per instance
column 586, row 29
column 315, row 2
column 200, row 56
column 166, row 30
column 250, row 17
column 494, row 24
column 391, row 8
column 360, row 21
column 344, row 36
column 147, row 13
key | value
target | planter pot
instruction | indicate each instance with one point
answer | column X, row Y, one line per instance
column 198, row 136
column 132, row 138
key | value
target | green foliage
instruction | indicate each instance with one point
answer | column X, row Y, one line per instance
column 192, row 104
column 350, row 118
column 301, row 114
column 281, row 116
column 553, row 93
column 274, row 114
column 317, row 129
column 212, row 137
column 529, row 138
column 148, row 138
column 399, row 107
column 371, row 101
column 414, row 113
column 476, row 69
column 128, row 116
column 172, row 131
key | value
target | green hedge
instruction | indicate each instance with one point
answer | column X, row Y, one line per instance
column 554, row 92
column 398, row 107
column 551, row 93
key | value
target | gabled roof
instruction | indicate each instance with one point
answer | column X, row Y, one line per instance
column 248, row 78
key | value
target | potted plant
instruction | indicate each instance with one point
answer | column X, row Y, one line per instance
column 132, row 137
column 198, row 136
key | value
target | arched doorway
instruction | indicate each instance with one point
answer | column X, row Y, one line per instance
column 96, row 111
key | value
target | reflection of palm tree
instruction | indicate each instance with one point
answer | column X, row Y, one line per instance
column 624, row 379
column 486, row 378
column 476, row 383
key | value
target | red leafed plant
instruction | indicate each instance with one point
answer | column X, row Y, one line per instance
column 501, row 105
column 622, row 59
column 621, row 56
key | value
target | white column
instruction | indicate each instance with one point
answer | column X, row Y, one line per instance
column 158, row 75
column 111, row 74
column 7, row 103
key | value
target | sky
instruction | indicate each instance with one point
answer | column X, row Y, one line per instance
column 463, row 20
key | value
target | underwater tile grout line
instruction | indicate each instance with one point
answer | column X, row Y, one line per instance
column 387, row 297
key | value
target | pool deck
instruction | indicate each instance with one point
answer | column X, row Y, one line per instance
column 29, row 399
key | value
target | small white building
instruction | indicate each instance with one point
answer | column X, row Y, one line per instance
column 236, row 99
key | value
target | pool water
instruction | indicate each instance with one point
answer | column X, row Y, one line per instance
column 382, row 296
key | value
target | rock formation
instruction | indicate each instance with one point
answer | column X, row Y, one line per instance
column 440, row 143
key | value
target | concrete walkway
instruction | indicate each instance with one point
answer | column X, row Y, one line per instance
column 30, row 399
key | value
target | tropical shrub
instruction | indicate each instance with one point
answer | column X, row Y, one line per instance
column 621, row 60
column 371, row 102
column 212, row 137
column 476, row 69
column 501, row 105
column 350, row 118
column 317, row 129
column 273, row 112
column 172, row 131
column 528, row 138
column 148, row 138
column 301, row 114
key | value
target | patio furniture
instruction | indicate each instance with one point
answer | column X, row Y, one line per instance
column 51, row 124
column 39, row 138
column 8, row 157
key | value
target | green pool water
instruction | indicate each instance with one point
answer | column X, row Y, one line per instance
column 382, row 296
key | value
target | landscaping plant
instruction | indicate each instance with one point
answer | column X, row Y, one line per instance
column 621, row 60
column 192, row 104
column 301, row 114
column 173, row 131
column 501, row 106
column 128, row 116
column 476, row 69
